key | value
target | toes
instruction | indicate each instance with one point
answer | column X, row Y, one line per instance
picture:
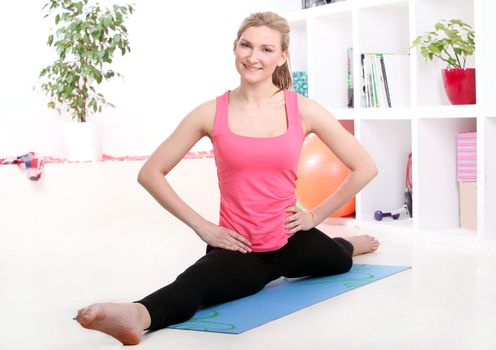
column 86, row 315
column 115, row 321
column 80, row 314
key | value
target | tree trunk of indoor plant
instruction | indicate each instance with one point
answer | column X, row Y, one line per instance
column 459, row 84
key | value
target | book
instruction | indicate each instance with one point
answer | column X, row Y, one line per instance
column 385, row 80
column 397, row 68
column 363, row 91
column 349, row 80
column 373, row 82
column 381, row 93
column 386, row 87
column 367, row 81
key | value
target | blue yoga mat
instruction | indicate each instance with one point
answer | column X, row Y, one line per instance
column 282, row 297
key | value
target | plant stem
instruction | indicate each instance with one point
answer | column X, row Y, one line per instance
column 85, row 82
column 447, row 53
column 443, row 59
column 458, row 60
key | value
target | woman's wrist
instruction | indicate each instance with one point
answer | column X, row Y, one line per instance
column 198, row 223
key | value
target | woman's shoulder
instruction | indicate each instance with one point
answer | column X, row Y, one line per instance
column 306, row 104
column 209, row 106
column 309, row 107
column 206, row 110
column 203, row 115
column 206, row 107
column 312, row 113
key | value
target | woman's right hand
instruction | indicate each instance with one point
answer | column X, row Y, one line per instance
column 222, row 237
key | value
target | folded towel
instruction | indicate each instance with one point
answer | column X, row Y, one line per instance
column 31, row 162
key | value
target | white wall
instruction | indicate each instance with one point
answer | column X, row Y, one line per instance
column 109, row 193
column 181, row 56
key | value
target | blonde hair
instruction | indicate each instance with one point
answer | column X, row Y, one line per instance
column 282, row 75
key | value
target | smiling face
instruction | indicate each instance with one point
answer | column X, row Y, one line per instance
column 258, row 52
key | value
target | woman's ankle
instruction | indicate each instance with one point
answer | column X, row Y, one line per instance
column 144, row 316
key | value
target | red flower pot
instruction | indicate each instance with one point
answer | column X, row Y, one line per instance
column 459, row 84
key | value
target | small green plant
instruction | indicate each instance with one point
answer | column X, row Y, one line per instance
column 452, row 41
column 85, row 38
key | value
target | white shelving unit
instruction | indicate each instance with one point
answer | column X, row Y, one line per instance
column 426, row 125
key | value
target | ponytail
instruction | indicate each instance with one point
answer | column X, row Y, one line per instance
column 282, row 76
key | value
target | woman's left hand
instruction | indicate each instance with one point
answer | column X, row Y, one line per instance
column 300, row 220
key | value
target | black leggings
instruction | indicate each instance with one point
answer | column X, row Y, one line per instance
column 224, row 275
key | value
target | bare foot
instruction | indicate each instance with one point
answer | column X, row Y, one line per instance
column 363, row 244
column 125, row 322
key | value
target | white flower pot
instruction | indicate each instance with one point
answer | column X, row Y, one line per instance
column 83, row 141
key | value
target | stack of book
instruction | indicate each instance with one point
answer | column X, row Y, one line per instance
column 466, row 166
column 385, row 80
column 349, row 79
column 466, row 156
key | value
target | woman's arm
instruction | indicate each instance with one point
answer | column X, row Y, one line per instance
column 346, row 147
column 152, row 176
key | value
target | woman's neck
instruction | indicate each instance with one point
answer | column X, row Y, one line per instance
column 256, row 95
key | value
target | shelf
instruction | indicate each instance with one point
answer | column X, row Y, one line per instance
column 379, row 3
column 320, row 11
column 422, row 122
column 327, row 64
column 448, row 112
column 389, row 142
column 383, row 113
column 403, row 226
column 371, row 113
column 435, row 186
column 436, row 112
column 375, row 35
column 340, row 7
column 384, row 28
column 430, row 90
column 486, row 51
column 488, row 200
column 388, row 224
column 298, row 46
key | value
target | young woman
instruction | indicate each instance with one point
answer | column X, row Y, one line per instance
column 257, row 131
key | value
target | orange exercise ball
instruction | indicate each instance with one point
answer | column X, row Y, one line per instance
column 319, row 173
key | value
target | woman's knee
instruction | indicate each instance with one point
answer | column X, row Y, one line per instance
column 333, row 265
column 347, row 263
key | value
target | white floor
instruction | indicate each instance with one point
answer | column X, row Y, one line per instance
column 446, row 301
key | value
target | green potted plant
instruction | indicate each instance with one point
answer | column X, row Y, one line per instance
column 86, row 38
column 452, row 42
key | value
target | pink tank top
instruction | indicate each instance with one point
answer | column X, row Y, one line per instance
column 257, row 176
